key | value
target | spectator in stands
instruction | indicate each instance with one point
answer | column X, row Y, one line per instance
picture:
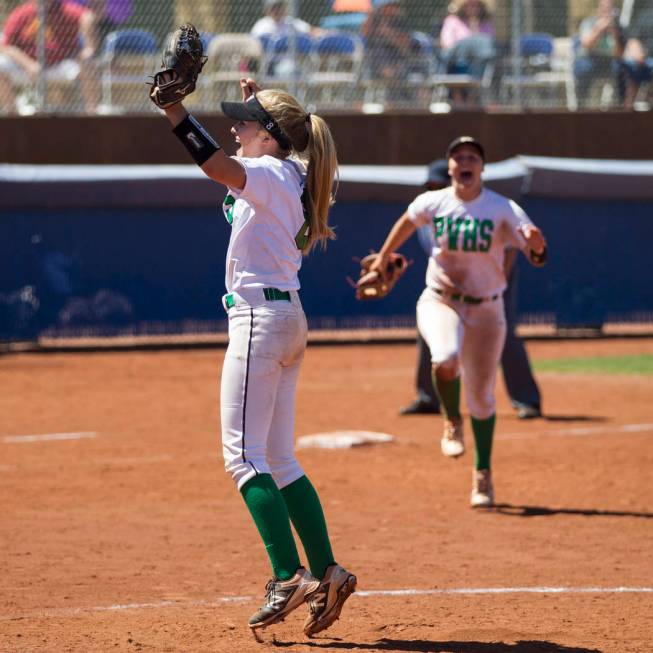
column 347, row 15
column 606, row 49
column 642, row 27
column 642, row 30
column 637, row 69
column 69, row 47
column 276, row 22
column 110, row 15
column 466, row 18
column 638, row 64
column 387, row 40
column 466, row 41
column 360, row 6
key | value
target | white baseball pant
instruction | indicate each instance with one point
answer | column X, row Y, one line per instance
column 267, row 340
column 468, row 337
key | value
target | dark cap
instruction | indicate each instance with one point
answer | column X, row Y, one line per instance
column 252, row 111
column 465, row 140
column 438, row 173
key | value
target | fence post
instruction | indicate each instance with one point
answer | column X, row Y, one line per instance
column 515, row 45
column 41, row 82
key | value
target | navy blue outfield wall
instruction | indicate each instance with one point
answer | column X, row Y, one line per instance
column 161, row 269
column 166, row 267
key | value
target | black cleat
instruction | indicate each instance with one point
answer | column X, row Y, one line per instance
column 420, row 407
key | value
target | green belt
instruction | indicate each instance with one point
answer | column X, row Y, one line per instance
column 273, row 294
column 467, row 299
column 270, row 294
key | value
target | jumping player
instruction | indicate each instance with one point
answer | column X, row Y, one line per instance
column 460, row 313
column 279, row 196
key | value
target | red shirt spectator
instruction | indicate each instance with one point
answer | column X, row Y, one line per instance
column 61, row 34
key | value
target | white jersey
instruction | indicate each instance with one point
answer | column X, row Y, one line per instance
column 469, row 239
column 266, row 217
column 267, row 26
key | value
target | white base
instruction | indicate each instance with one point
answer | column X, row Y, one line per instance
column 342, row 439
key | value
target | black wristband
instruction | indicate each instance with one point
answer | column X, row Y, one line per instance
column 539, row 259
column 196, row 140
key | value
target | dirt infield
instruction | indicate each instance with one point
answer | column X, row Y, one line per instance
column 130, row 537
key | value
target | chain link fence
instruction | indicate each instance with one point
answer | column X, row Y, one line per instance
column 93, row 56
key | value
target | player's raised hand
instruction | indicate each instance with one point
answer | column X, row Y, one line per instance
column 248, row 87
column 534, row 238
column 379, row 266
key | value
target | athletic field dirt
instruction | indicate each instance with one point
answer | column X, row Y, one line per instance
column 120, row 530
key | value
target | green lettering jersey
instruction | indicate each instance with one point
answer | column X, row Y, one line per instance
column 469, row 239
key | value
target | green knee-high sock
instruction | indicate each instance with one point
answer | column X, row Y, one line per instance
column 268, row 509
column 307, row 517
column 483, row 435
column 449, row 393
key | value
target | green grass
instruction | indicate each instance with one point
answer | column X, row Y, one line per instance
column 630, row 364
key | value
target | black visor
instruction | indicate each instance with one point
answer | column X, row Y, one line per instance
column 252, row 111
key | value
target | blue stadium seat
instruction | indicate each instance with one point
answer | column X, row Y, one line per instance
column 128, row 57
column 423, row 49
column 543, row 75
column 135, row 41
column 532, row 45
column 337, row 43
column 335, row 71
column 303, row 44
column 289, row 57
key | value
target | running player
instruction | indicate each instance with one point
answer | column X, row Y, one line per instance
column 278, row 202
column 460, row 313
column 520, row 383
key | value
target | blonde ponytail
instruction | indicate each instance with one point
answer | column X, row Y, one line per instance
column 320, row 177
column 313, row 143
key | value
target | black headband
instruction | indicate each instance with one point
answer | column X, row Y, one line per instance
column 252, row 110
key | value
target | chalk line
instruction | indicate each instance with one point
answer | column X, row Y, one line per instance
column 48, row 437
column 509, row 590
column 204, row 603
column 579, row 431
column 135, row 460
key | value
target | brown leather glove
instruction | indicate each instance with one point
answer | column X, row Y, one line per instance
column 376, row 285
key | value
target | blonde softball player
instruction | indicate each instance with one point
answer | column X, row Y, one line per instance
column 278, row 202
column 460, row 313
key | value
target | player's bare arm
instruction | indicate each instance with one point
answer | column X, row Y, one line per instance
column 29, row 65
column 248, row 87
column 88, row 34
column 401, row 231
column 536, row 243
column 534, row 238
